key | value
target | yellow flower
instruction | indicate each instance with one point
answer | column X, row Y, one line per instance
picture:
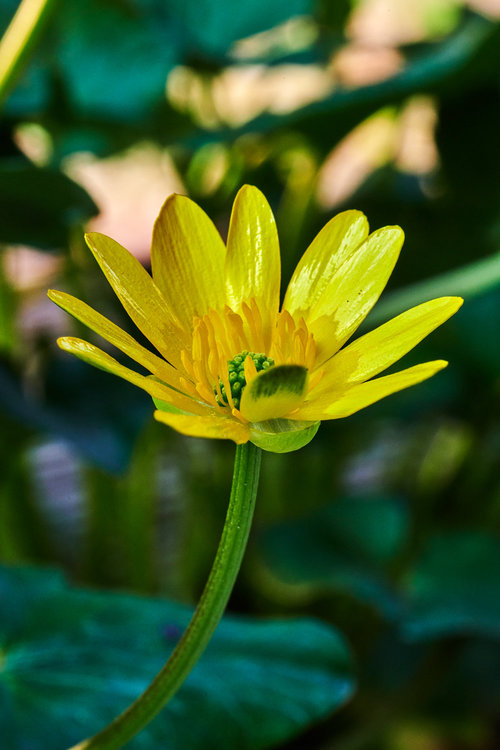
column 232, row 364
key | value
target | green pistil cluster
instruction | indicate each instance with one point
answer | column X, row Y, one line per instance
column 237, row 380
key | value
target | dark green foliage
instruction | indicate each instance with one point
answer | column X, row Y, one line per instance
column 39, row 206
column 72, row 659
column 343, row 547
column 453, row 587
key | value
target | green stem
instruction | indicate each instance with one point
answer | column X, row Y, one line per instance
column 18, row 41
column 206, row 616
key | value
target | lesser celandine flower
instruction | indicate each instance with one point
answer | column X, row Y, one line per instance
column 232, row 363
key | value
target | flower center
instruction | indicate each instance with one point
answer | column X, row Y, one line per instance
column 236, row 376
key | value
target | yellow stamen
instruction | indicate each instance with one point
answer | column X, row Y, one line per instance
column 249, row 368
column 224, row 376
column 222, row 334
column 315, row 379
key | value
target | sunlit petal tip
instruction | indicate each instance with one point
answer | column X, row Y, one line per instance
column 172, row 200
column 92, row 239
column 246, row 188
column 392, row 234
column 248, row 192
column 458, row 302
column 439, row 364
column 62, row 342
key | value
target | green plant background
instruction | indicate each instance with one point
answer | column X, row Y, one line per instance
column 367, row 613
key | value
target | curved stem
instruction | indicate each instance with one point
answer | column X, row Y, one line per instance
column 18, row 40
column 207, row 614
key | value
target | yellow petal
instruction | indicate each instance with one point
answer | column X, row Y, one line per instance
column 206, row 427
column 336, row 405
column 377, row 350
column 116, row 336
column 253, row 266
column 92, row 355
column 325, row 255
column 273, row 393
column 353, row 290
column 139, row 296
column 187, row 260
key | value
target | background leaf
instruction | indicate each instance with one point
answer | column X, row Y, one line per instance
column 453, row 587
column 39, row 206
column 66, row 664
column 342, row 547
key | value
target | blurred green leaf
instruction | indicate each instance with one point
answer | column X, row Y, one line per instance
column 111, row 59
column 473, row 681
column 39, row 206
column 453, row 587
column 223, row 26
column 343, row 546
column 468, row 282
column 84, row 406
column 443, row 67
column 478, row 326
column 72, row 659
column 114, row 60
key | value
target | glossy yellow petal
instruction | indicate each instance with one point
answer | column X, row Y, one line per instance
column 253, row 267
column 273, row 393
column 206, row 427
column 325, row 255
column 139, row 296
column 377, row 350
column 187, row 260
column 353, row 291
column 335, row 405
column 96, row 357
column 116, row 336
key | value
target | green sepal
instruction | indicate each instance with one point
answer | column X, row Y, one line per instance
column 282, row 435
column 164, row 405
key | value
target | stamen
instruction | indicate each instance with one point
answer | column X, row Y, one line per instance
column 218, row 376
column 240, row 370
column 249, row 368
column 224, row 376
column 187, row 364
column 188, row 387
column 220, row 339
column 315, row 379
column 235, row 324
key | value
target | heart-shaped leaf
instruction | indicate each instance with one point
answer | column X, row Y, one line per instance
column 453, row 588
column 343, row 547
column 71, row 659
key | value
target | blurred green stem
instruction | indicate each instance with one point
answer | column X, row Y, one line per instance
column 8, row 305
column 19, row 39
column 207, row 614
